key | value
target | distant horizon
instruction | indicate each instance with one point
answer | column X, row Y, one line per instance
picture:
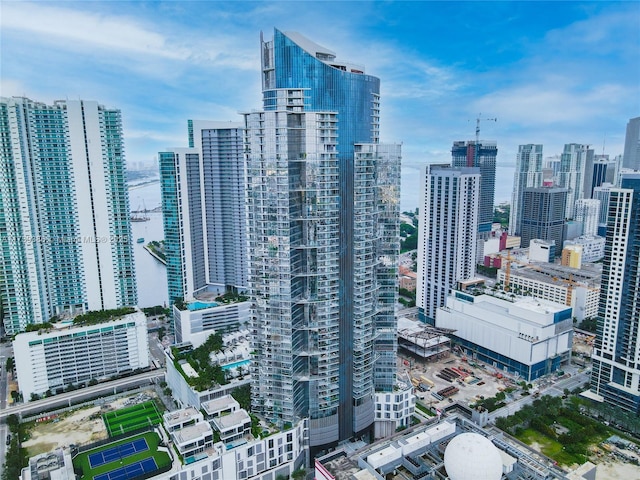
column 550, row 72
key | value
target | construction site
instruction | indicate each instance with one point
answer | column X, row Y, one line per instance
column 440, row 373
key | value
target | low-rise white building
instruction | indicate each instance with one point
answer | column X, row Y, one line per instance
column 523, row 335
column 193, row 439
column 220, row 406
column 200, row 318
column 65, row 353
column 234, row 426
column 542, row 250
column 577, row 288
column 394, row 409
column 279, row 454
column 182, row 418
column 592, row 247
column 185, row 394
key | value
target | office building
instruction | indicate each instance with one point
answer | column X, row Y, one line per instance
column 543, row 215
column 528, row 174
column 65, row 228
column 573, row 161
column 204, row 212
column 542, row 250
column 579, row 289
column 598, row 170
column 76, row 352
column 572, row 229
column 447, row 233
column 588, row 213
column 552, row 164
column 323, row 234
column 592, row 247
column 631, row 157
column 526, row 336
column 483, row 156
column 602, row 193
column 615, row 376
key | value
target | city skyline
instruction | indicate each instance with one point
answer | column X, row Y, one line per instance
column 550, row 79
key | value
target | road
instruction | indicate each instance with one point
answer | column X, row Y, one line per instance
column 6, row 351
column 83, row 394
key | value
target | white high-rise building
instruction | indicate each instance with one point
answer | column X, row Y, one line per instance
column 66, row 231
column 588, row 213
column 571, row 175
column 74, row 353
column 616, row 356
column 528, row 174
column 447, row 233
column 602, row 193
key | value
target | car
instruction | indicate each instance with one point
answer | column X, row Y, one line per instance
column 8, row 439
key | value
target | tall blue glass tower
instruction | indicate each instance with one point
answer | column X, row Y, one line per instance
column 323, row 233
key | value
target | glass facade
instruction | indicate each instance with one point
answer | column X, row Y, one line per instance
column 323, row 213
column 483, row 156
column 170, row 215
column 204, row 211
column 528, row 174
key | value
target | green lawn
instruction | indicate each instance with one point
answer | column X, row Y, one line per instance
column 81, row 461
column 132, row 418
column 550, row 447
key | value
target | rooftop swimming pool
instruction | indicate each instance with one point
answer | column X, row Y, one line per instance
column 197, row 305
column 240, row 363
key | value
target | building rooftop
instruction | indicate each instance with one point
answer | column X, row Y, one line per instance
column 218, row 404
column 560, row 275
column 178, row 417
column 192, row 432
column 238, row 417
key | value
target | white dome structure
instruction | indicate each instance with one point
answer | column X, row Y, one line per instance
column 470, row 456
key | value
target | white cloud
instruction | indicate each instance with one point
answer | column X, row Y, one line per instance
column 75, row 30
column 86, row 29
column 549, row 103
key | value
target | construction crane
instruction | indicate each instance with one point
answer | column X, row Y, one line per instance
column 477, row 147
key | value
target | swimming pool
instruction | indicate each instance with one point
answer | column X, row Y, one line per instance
column 200, row 305
column 240, row 363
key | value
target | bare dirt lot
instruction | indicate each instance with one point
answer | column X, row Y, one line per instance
column 79, row 427
column 487, row 385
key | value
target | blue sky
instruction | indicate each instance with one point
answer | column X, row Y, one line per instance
column 550, row 72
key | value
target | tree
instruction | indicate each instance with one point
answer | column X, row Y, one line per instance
column 243, row 396
column 299, row 474
column 13, row 422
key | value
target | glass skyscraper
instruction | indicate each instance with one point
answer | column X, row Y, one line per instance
column 542, row 215
column 528, row 174
column 203, row 206
column 65, row 226
column 481, row 154
column 323, row 233
column 615, row 377
column 573, row 163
